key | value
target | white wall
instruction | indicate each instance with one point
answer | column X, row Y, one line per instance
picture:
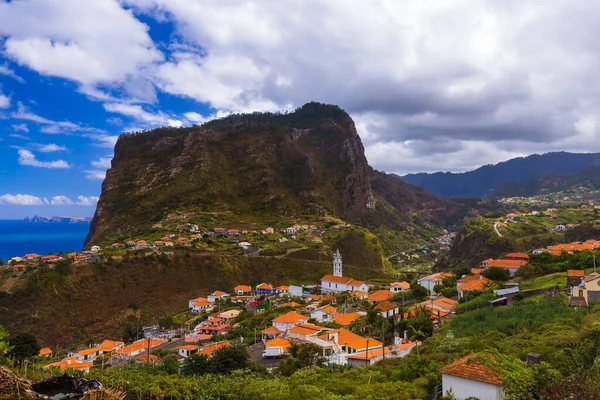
column 463, row 388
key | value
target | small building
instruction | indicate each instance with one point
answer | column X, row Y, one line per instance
column 283, row 343
column 574, row 277
column 397, row 287
column 87, row 354
column 264, row 289
column 95, row 249
column 187, row 350
column 217, row 295
column 471, row 376
column 288, row 320
column 380, row 295
column 45, row 352
column 302, row 332
column 324, row 314
column 68, row 363
column 209, row 349
column 387, row 309
column 517, row 256
column 588, row 289
column 201, row 306
column 429, row 281
column 346, row 319
column 229, row 315
column 474, row 283
column 19, row 267
column 243, row 290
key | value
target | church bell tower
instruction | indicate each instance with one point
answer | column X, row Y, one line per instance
column 337, row 263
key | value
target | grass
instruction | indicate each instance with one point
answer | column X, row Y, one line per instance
column 557, row 279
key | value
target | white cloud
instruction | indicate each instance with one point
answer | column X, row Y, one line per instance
column 107, row 141
column 89, row 42
column 4, row 101
column 5, row 70
column 19, row 136
column 20, row 128
column 61, row 201
column 26, row 157
column 20, row 199
column 95, row 174
column 87, row 201
column 50, row 126
column 137, row 112
column 50, row 147
column 102, row 162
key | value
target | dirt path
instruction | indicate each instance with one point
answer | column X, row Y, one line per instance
column 8, row 283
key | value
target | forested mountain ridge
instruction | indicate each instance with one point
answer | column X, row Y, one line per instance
column 482, row 181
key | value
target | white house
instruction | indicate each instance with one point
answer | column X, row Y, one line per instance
column 397, row 287
column 201, row 306
column 288, row 320
column 218, row 295
column 337, row 283
column 429, row 281
column 469, row 377
column 187, row 350
column 88, row 354
column 194, row 301
column 245, row 245
column 324, row 314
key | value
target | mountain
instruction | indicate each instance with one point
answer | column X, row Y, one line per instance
column 588, row 179
column 259, row 169
column 483, row 180
column 59, row 220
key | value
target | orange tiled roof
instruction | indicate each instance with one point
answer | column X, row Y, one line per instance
column 271, row 331
column 342, row 279
column 243, row 288
column 209, row 349
column 144, row 358
column 110, row 345
column 91, row 350
column 469, row 367
column 278, row 342
column 476, row 284
column 367, row 355
column 44, row 351
column 385, row 306
column 438, row 276
column 469, row 278
column 576, row 272
column 290, row 317
column 264, row 286
column 517, row 255
column 140, row 344
column 218, row 293
column 358, row 293
column 70, row 363
column 291, row 304
column 346, row 319
column 345, row 337
column 512, row 264
column 328, row 309
column 201, row 303
column 380, row 295
column 189, row 347
column 403, row 285
column 477, row 270
column 305, row 329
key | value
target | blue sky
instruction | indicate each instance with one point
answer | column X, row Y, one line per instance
column 431, row 85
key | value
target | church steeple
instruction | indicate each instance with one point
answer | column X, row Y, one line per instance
column 337, row 263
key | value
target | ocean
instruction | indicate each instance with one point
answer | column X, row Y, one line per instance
column 18, row 238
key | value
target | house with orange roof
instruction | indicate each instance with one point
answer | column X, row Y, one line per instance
column 349, row 342
column 187, row 350
column 213, row 326
column 346, row 319
column 209, row 349
column 71, row 363
column 283, row 290
column 397, row 287
column 264, row 289
column 229, row 315
column 387, row 309
column 511, row 265
column 194, row 301
column 478, row 284
column 130, row 243
column 587, row 292
column 291, row 304
column 280, row 342
column 474, row 375
column 138, row 347
column 270, row 333
column 201, row 306
column 372, row 356
column 574, row 277
column 337, row 283
column 360, row 295
column 45, row 352
column 31, row 256
column 217, row 295
column 242, row 290
column 302, row 332
column 50, row 258
column 87, row 354
column 476, row 271
column 324, row 314
column 108, row 346
column 19, row 267
column 516, row 256
column 288, row 320
column 380, row 295
column 442, row 304
column 429, row 281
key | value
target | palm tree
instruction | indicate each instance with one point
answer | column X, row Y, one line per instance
column 294, row 349
column 417, row 335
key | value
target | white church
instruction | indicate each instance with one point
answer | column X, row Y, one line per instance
column 336, row 283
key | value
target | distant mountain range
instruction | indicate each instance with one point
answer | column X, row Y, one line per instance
column 59, row 220
column 588, row 179
column 484, row 180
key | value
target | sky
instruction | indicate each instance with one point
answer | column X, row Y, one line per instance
column 436, row 85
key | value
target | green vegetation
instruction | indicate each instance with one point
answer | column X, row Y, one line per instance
column 557, row 279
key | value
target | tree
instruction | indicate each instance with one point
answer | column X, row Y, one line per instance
column 196, row 364
column 25, row 345
column 438, row 288
column 419, row 292
column 228, row 359
column 4, row 344
column 497, row 274
column 417, row 335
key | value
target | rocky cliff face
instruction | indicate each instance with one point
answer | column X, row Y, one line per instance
column 278, row 165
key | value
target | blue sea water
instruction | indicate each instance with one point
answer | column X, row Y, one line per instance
column 18, row 238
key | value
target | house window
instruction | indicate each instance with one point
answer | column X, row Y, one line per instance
column 336, row 285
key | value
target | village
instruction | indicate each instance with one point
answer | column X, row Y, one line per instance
column 335, row 315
